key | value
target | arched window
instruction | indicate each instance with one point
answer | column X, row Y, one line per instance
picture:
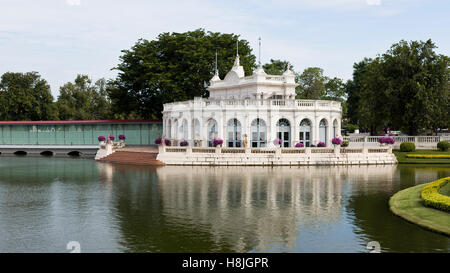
column 305, row 132
column 195, row 131
column 284, row 132
column 212, row 132
column 234, row 133
column 323, row 125
column 258, row 133
column 335, row 127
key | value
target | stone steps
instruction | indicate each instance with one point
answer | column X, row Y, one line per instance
column 137, row 158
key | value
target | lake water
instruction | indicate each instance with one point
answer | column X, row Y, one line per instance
column 47, row 202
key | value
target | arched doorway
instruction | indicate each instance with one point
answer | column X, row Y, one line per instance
column 258, row 133
column 212, row 132
column 234, row 133
column 323, row 130
column 284, row 132
column 305, row 132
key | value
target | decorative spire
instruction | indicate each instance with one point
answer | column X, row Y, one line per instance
column 216, row 72
column 259, row 57
column 236, row 61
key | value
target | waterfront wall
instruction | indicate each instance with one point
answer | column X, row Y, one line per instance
column 275, row 156
column 137, row 132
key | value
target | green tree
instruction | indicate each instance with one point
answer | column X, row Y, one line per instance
column 353, row 90
column 276, row 67
column 25, row 96
column 83, row 100
column 174, row 67
column 311, row 83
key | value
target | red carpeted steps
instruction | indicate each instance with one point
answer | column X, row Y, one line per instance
column 139, row 158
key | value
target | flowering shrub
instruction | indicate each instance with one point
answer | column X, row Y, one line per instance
column 391, row 134
column 299, row 145
column 111, row 137
column 217, row 141
column 122, row 137
column 158, row 141
column 277, row 141
column 184, row 143
column 427, row 156
column 167, row 142
column 101, row 138
column 386, row 140
column 431, row 196
column 321, row 144
column 336, row 141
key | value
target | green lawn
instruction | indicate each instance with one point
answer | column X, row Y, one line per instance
column 401, row 158
column 408, row 205
column 445, row 190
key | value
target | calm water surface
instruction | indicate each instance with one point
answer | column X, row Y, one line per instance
column 47, row 202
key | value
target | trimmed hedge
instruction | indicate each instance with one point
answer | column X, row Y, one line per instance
column 432, row 198
column 443, row 145
column 427, row 156
column 407, row 147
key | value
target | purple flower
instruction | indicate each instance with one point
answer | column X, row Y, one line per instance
column 299, row 145
column 336, row 141
column 321, row 144
column 167, row 142
column 101, row 138
column 277, row 141
column 184, row 143
column 111, row 137
column 122, row 137
column 386, row 140
column 158, row 141
column 391, row 134
column 217, row 141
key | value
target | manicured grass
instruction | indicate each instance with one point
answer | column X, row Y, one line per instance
column 402, row 159
column 408, row 205
column 445, row 190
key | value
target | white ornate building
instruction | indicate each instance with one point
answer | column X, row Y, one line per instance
column 258, row 108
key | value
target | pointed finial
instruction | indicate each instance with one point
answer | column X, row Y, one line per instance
column 259, row 57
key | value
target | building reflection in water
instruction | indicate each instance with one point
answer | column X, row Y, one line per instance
column 234, row 208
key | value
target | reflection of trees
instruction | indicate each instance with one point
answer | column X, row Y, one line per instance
column 374, row 219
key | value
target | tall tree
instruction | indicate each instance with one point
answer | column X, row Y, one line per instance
column 276, row 67
column 83, row 100
column 174, row 67
column 311, row 83
column 25, row 96
column 353, row 90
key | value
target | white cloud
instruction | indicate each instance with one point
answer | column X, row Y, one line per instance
column 73, row 2
column 373, row 2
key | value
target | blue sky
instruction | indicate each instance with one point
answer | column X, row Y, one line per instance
column 63, row 38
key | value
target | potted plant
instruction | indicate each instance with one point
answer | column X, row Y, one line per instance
column 386, row 141
column 111, row 138
column 101, row 139
column 158, row 141
column 217, row 142
column 122, row 138
column 277, row 142
column 184, row 143
column 321, row 144
column 345, row 143
column 299, row 145
column 336, row 141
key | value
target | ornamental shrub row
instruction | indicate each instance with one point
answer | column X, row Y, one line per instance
column 443, row 145
column 427, row 156
column 432, row 198
column 407, row 147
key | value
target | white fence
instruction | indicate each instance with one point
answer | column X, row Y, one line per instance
column 424, row 142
